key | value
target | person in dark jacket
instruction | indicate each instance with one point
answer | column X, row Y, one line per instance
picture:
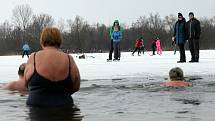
column 180, row 36
column 194, row 31
column 153, row 46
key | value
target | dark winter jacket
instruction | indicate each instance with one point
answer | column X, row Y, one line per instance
column 153, row 44
column 180, row 32
column 194, row 29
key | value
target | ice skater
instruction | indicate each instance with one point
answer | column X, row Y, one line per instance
column 153, row 46
column 158, row 46
column 25, row 50
column 138, row 45
column 142, row 49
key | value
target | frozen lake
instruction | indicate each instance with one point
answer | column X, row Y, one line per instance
column 128, row 90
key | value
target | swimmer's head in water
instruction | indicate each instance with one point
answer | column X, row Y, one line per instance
column 21, row 69
column 176, row 74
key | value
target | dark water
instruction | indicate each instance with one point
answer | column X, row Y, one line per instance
column 123, row 99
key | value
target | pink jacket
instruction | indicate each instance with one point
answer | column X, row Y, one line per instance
column 158, row 44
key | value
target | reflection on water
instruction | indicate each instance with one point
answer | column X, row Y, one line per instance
column 69, row 113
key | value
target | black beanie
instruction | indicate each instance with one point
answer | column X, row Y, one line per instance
column 179, row 14
column 191, row 13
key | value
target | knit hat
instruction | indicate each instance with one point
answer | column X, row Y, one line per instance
column 176, row 74
column 191, row 13
column 180, row 14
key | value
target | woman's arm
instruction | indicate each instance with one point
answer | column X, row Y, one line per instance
column 75, row 75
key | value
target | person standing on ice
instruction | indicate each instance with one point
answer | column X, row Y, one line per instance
column 138, row 45
column 153, row 46
column 116, row 37
column 180, row 36
column 25, row 50
column 115, row 24
column 158, row 46
column 194, row 31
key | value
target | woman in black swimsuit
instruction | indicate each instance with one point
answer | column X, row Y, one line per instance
column 51, row 76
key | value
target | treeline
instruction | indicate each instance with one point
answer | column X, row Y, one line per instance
column 80, row 36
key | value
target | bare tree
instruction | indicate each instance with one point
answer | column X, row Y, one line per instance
column 169, row 22
column 41, row 21
column 22, row 16
column 5, row 29
column 61, row 25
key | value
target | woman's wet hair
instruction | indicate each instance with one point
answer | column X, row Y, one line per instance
column 176, row 74
column 21, row 69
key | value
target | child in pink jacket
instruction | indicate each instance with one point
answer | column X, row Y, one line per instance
column 158, row 47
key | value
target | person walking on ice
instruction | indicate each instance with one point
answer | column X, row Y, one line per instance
column 158, row 46
column 25, row 50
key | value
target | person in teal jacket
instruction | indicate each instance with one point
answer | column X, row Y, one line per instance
column 115, row 24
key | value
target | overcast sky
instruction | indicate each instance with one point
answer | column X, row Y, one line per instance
column 105, row 11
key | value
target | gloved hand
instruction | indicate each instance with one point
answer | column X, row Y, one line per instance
column 173, row 42
column 173, row 38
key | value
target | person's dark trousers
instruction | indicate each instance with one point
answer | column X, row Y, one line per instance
column 111, row 50
column 142, row 49
column 153, row 50
column 139, row 51
column 182, row 52
column 194, row 49
column 116, row 50
column 25, row 53
column 136, row 49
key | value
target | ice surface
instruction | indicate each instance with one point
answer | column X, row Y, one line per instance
column 95, row 65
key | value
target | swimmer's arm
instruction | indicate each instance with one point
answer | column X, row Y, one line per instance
column 16, row 86
column 75, row 75
column 189, row 84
